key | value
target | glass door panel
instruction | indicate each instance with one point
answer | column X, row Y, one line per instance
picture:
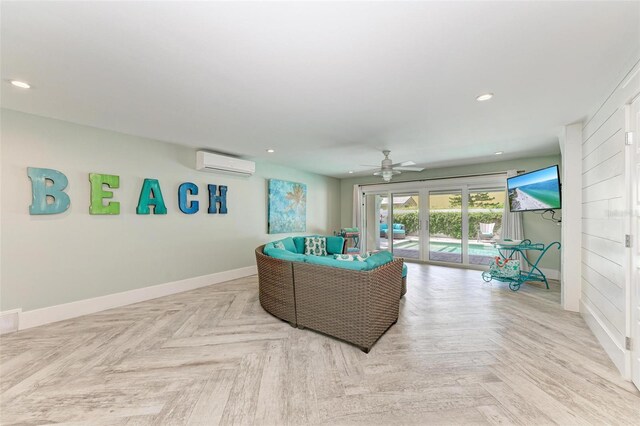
column 406, row 225
column 376, row 209
column 445, row 226
column 485, row 224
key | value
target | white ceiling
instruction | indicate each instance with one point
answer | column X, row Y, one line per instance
column 328, row 85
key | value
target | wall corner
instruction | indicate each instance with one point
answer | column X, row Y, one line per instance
column 570, row 140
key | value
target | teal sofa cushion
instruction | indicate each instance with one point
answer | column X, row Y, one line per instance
column 378, row 259
column 328, row 261
column 289, row 245
column 404, row 270
column 397, row 228
column 335, row 245
column 284, row 254
column 267, row 247
column 299, row 243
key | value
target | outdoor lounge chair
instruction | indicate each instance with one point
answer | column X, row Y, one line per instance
column 485, row 231
column 398, row 231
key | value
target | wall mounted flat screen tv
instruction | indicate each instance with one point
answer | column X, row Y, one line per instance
column 537, row 190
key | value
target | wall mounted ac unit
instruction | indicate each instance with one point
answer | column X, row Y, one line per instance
column 209, row 162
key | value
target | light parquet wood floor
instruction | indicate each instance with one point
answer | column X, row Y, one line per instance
column 462, row 352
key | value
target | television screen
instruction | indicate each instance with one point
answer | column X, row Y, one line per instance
column 537, row 190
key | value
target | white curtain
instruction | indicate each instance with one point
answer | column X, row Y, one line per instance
column 512, row 224
column 357, row 204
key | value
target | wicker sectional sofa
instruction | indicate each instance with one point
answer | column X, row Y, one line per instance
column 351, row 305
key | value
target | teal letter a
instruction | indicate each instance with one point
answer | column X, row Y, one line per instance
column 151, row 195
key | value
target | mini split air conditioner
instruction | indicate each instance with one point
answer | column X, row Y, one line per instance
column 209, row 162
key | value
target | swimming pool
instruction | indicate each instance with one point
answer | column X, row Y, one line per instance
column 475, row 249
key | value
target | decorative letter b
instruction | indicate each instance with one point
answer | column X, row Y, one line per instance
column 41, row 191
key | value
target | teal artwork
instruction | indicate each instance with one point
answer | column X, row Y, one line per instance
column 42, row 192
column 287, row 207
column 151, row 195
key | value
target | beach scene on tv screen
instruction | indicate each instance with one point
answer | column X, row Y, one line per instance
column 535, row 191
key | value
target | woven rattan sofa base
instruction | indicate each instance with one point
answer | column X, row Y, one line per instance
column 275, row 277
column 355, row 306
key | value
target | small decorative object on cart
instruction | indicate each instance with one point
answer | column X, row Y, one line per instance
column 507, row 268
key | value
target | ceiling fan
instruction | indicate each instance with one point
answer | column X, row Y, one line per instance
column 388, row 169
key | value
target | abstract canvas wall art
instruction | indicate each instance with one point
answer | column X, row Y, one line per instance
column 287, row 207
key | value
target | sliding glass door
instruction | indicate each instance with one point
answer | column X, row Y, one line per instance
column 406, row 225
column 445, row 226
column 448, row 221
column 485, row 207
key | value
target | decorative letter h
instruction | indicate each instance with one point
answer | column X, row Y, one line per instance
column 215, row 199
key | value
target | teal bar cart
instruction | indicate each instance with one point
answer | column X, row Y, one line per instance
column 533, row 274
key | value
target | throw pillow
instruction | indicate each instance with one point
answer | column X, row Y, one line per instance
column 315, row 246
column 344, row 257
column 352, row 257
column 279, row 245
column 363, row 256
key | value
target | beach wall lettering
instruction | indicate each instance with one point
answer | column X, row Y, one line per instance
column 49, row 196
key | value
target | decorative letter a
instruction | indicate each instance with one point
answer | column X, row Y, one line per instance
column 151, row 195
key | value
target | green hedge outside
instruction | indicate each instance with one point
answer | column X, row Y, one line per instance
column 449, row 223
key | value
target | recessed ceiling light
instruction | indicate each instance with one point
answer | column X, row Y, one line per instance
column 350, row 171
column 499, row 152
column 21, row 84
column 271, row 151
column 484, row 97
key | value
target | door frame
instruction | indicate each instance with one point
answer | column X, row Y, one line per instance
column 632, row 257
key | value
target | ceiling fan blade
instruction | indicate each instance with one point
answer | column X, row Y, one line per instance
column 409, row 169
column 404, row 164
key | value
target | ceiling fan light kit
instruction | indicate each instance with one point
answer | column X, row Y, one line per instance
column 388, row 169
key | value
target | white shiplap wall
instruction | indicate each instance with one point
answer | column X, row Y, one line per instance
column 603, row 298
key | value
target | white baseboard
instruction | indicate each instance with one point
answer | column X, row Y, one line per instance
column 551, row 274
column 9, row 321
column 616, row 352
column 36, row 317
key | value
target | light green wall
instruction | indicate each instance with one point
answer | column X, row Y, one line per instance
column 535, row 228
column 49, row 260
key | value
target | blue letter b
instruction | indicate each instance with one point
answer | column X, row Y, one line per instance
column 40, row 191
